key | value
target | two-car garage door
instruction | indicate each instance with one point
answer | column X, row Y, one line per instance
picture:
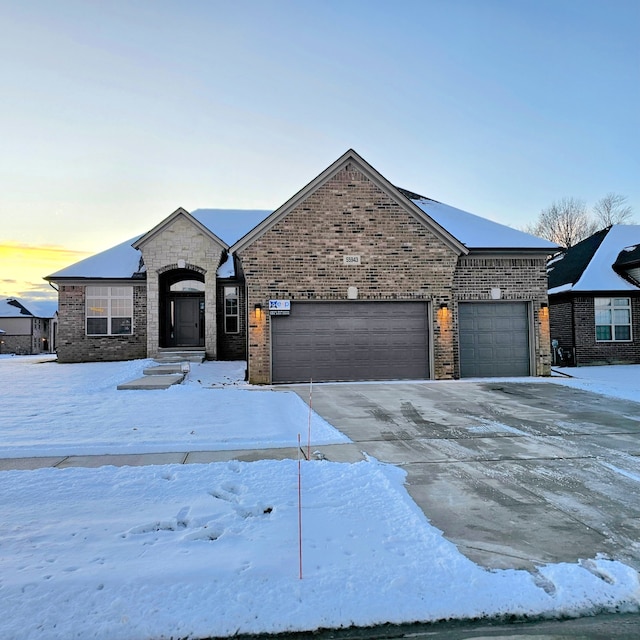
column 354, row 340
column 327, row 341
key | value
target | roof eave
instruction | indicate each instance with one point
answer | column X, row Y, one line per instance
column 513, row 250
column 602, row 292
column 104, row 279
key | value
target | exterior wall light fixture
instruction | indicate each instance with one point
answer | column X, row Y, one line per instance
column 258, row 309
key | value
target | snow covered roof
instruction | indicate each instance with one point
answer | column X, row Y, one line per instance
column 230, row 224
column 124, row 261
column 121, row 261
column 233, row 225
column 11, row 308
column 629, row 256
column 42, row 308
column 589, row 265
column 14, row 308
column 476, row 232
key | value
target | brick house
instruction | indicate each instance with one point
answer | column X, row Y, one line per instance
column 350, row 279
column 594, row 299
column 27, row 328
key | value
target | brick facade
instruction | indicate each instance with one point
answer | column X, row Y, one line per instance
column 505, row 278
column 300, row 254
column 573, row 325
column 561, row 318
column 18, row 345
column 74, row 345
column 232, row 346
column 301, row 258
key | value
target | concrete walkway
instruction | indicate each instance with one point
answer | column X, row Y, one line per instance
column 335, row 453
column 161, row 376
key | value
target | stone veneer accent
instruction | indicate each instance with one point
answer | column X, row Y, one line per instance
column 181, row 242
column 75, row 346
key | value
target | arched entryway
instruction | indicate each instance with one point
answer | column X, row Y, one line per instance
column 182, row 309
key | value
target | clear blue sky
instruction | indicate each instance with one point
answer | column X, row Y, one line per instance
column 115, row 113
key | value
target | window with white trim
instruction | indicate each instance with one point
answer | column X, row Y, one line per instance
column 613, row 319
column 109, row 311
column 231, row 311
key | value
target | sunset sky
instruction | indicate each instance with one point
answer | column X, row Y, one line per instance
column 113, row 114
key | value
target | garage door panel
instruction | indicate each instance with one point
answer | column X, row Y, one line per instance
column 350, row 341
column 494, row 339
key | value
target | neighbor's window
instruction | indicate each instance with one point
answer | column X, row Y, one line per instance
column 109, row 311
column 231, row 317
column 613, row 319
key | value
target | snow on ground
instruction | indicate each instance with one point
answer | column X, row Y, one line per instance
column 618, row 381
column 75, row 409
column 137, row 553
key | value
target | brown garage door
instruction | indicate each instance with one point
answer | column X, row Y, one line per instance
column 327, row 341
column 494, row 339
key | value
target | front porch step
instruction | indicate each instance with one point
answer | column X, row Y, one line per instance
column 152, row 382
column 172, row 356
column 164, row 369
column 161, row 377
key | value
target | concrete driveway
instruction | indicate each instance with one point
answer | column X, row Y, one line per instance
column 515, row 474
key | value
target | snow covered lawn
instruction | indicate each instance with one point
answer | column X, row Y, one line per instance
column 75, row 409
column 619, row 381
column 205, row 550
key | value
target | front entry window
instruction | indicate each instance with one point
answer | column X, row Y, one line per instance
column 187, row 286
column 231, row 311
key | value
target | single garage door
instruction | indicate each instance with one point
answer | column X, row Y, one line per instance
column 494, row 339
column 327, row 341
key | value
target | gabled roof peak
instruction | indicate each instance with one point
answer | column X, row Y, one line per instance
column 169, row 220
column 351, row 156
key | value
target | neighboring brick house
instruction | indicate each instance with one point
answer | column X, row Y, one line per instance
column 27, row 328
column 351, row 279
column 594, row 299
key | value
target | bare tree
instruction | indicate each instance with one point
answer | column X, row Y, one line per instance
column 612, row 209
column 565, row 222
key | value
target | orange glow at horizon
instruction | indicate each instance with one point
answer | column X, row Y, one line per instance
column 23, row 267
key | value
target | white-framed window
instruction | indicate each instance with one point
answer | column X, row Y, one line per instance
column 231, row 310
column 613, row 319
column 109, row 311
